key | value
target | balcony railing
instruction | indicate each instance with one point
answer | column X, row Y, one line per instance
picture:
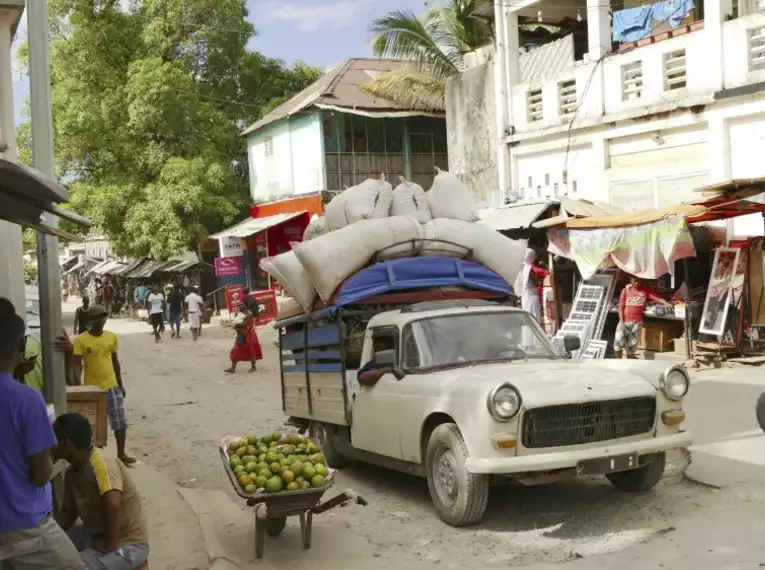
column 671, row 70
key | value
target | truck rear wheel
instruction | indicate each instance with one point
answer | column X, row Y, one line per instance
column 640, row 479
column 460, row 497
column 760, row 409
column 324, row 436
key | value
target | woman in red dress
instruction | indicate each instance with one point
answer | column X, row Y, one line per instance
column 246, row 347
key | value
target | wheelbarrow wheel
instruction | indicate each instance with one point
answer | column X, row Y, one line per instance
column 274, row 527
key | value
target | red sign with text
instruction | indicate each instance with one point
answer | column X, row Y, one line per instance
column 228, row 266
column 267, row 305
column 234, row 296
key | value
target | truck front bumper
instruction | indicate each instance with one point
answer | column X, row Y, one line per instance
column 570, row 459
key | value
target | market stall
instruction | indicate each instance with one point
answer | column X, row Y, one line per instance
column 658, row 246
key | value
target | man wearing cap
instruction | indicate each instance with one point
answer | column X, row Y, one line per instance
column 96, row 352
column 100, row 491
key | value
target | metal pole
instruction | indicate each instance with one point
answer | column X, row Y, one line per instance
column 47, row 246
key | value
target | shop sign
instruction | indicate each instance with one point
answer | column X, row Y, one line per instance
column 228, row 266
column 267, row 305
column 234, row 296
column 231, row 246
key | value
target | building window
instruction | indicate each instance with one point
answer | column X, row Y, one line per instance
column 555, row 189
column 531, row 183
column 534, row 105
column 674, row 70
column 567, row 97
column 268, row 145
column 756, row 37
column 632, row 81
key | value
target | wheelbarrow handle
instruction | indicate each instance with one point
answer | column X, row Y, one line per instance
column 349, row 495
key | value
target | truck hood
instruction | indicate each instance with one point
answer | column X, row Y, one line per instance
column 553, row 382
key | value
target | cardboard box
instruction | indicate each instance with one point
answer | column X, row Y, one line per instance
column 91, row 402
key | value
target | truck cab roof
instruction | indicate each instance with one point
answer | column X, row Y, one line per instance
column 398, row 317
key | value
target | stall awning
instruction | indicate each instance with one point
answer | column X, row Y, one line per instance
column 517, row 215
column 68, row 261
column 146, row 270
column 98, row 266
column 571, row 208
column 124, row 270
column 25, row 193
column 76, row 267
column 255, row 225
column 108, row 267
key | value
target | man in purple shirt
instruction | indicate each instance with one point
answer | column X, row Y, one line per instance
column 30, row 539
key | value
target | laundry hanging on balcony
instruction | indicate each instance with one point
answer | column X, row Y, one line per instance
column 634, row 24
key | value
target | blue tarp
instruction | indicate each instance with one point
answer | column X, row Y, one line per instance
column 419, row 273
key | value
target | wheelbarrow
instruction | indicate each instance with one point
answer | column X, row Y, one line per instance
column 272, row 509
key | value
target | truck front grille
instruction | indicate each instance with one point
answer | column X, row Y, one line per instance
column 574, row 424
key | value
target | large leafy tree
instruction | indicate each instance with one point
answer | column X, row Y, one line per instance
column 434, row 45
column 148, row 107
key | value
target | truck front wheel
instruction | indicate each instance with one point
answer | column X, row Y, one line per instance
column 460, row 497
column 640, row 479
column 324, row 436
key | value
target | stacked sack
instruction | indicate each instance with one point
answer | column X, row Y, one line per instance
column 373, row 221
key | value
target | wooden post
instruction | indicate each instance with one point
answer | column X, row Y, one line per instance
column 687, row 322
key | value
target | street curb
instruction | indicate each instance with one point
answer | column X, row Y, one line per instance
column 716, row 471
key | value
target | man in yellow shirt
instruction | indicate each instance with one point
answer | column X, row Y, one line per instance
column 96, row 351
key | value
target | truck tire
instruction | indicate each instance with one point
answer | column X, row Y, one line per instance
column 323, row 435
column 761, row 411
column 640, row 479
column 459, row 497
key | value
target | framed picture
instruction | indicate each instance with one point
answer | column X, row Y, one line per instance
column 718, row 299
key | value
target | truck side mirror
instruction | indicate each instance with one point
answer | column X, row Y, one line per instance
column 384, row 359
column 571, row 343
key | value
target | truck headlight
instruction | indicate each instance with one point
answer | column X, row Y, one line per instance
column 504, row 402
column 674, row 384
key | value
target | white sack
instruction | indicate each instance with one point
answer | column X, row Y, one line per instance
column 450, row 198
column 332, row 258
column 314, row 229
column 288, row 271
column 370, row 199
column 501, row 254
column 409, row 199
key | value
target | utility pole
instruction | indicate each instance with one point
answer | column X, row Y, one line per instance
column 47, row 245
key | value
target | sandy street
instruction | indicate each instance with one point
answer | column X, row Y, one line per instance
column 180, row 404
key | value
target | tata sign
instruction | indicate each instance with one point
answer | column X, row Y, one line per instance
column 228, row 266
column 231, row 246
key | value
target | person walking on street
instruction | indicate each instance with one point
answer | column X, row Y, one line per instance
column 101, row 492
column 175, row 312
column 156, row 304
column 96, row 352
column 632, row 302
column 30, row 538
column 246, row 346
column 108, row 291
column 81, row 318
column 194, row 307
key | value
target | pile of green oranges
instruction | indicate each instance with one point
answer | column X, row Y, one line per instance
column 274, row 463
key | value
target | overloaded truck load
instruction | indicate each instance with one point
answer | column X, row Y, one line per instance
column 372, row 223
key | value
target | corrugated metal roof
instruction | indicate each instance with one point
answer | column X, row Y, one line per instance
column 255, row 225
column 517, row 215
column 108, row 267
column 128, row 268
column 339, row 88
column 548, row 61
column 145, row 270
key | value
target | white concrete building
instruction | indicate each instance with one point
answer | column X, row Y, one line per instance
column 634, row 117
column 11, row 249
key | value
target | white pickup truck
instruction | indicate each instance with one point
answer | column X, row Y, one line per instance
column 475, row 393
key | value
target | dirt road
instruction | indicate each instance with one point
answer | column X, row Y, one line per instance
column 181, row 404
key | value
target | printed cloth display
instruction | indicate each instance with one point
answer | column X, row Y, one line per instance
column 647, row 251
column 634, row 24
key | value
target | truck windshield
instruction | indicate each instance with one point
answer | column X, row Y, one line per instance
column 479, row 337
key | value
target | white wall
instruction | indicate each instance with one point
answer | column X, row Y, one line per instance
column 11, row 254
column 296, row 165
column 747, row 143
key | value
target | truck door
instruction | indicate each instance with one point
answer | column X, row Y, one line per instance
column 375, row 425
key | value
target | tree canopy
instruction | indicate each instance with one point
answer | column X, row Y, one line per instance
column 433, row 43
column 148, row 109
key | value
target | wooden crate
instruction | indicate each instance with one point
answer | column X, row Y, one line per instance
column 659, row 336
column 91, row 402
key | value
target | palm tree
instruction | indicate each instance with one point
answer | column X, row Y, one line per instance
column 434, row 44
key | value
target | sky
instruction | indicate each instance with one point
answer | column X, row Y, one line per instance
column 322, row 33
